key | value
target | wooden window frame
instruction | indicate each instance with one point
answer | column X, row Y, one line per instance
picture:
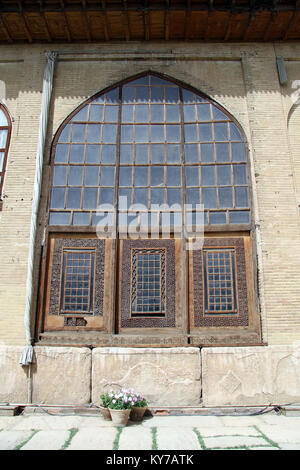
column 4, row 150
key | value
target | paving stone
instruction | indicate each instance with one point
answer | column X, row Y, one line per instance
column 241, row 420
column 183, row 421
column 135, row 438
column 281, row 433
column 233, row 441
column 9, row 440
column 177, row 439
column 228, row 431
column 47, row 440
column 93, row 439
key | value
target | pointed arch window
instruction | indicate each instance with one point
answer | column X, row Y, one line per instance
column 5, row 132
column 151, row 141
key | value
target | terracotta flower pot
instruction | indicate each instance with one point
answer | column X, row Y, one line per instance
column 120, row 417
column 137, row 413
column 105, row 413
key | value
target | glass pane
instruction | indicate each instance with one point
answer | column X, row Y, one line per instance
column 106, row 196
column 224, row 175
column 125, row 176
column 125, row 193
column 109, row 134
column 112, row 97
column 3, row 119
column 142, row 94
column 142, row 113
column 141, row 197
column 59, row 218
column 157, row 113
column 205, row 133
column 217, row 217
column 75, row 176
column 241, row 197
column 90, row 198
column 157, row 177
column 140, row 81
column 60, row 176
column 77, row 153
column 141, row 176
column 157, row 154
column 172, row 113
column 81, row 218
column 192, row 153
column 142, row 133
column 96, row 113
column 234, row 132
column 94, row 133
column 73, row 198
column 107, row 176
column 126, row 153
column 173, row 176
column 209, row 198
column 81, row 115
column 65, row 134
column 157, row 133
column 78, row 132
column 189, row 113
column 219, row 115
column 222, row 153
column 207, row 153
column 157, row 196
column 221, row 131
column 190, row 133
column 91, row 176
column 173, row 133
column 128, row 94
column 1, row 162
column 174, row 196
column 208, row 176
column 157, row 95
column 238, row 152
column 192, row 176
column 127, row 113
column 141, row 153
column 111, row 113
column 172, row 94
column 92, row 154
column 203, row 111
column 3, row 137
column 187, row 96
column 61, row 153
column 57, row 198
column 225, row 197
column 126, row 133
column 240, row 174
column 173, row 153
column 239, row 217
column 108, row 154
column 192, row 196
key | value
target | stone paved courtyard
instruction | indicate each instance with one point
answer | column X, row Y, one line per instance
column 60, row 432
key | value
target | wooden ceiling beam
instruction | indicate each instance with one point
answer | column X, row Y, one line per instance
column 292, row 21
column 66, row 22
column 44, row 20
column 6, row 29
column 104, row 21
column 27, row 30
column 86, row 21
column 126, row 21
column 146, row 21
column 187, row 21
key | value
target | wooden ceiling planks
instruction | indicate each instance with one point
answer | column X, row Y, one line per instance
column 146, row 20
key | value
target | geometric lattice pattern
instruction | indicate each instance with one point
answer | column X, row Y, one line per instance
column 148, row 283
column 77, row 281
column 219, row 281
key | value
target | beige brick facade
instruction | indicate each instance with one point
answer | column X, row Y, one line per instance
column 242, row 78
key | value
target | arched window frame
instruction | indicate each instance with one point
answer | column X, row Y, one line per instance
column 5, row 149
column 208, row 227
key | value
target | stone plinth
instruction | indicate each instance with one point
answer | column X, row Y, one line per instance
column 251, row 375
column 165, row 376
column 13, row 377
column 61, row 375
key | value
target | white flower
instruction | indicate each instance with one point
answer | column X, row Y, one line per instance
column 114, row 401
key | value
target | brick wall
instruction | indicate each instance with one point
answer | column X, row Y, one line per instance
column 242, row 78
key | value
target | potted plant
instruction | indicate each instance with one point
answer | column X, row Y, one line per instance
column 139, row 407
column 105, row 399
column 120, row 406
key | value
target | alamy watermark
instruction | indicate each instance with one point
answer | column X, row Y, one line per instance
column 136, row 220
